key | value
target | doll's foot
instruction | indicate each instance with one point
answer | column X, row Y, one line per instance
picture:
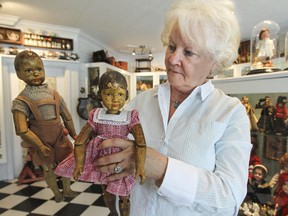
column 70, row 194
column 59, row 198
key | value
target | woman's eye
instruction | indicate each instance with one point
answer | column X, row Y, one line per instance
column 171, row 48
column 190, row 53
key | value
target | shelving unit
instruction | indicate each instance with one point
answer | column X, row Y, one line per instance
column 44, row 41
column 257, row 87
column 139, row 64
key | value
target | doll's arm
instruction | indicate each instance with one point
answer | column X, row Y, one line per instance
column 22, row 130
column 140, row 143
column 68, row 122
column 79, row 149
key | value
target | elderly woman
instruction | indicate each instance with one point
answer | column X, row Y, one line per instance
column 198, row 138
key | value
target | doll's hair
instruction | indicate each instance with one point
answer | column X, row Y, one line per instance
column 283, row 160
column 263, row 168
column 209, row 25
column 110, row 78
column 262, row 32
column 25, row 55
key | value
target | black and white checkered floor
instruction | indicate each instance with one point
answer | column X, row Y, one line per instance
column 36, row 199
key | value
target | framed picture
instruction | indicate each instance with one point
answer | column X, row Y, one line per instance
column 274, row 146
column 143, row 83
column 11, row 36
column 162, row 79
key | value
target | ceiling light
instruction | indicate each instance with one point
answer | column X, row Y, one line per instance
column 150, row 53
column 134, row 53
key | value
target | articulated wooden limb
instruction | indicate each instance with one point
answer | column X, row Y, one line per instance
column 68, row 122
column 140, row 143
column 80, row 149
column 124, row 206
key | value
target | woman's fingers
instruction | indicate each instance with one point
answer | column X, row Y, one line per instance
column 116, row 142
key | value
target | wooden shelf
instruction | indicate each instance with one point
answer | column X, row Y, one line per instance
column 44, row 41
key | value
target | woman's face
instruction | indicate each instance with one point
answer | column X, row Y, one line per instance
column 186, row 67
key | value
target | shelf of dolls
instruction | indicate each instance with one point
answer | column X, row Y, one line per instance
column 275, row 82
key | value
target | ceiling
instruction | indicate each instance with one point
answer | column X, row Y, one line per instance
column 122, row 23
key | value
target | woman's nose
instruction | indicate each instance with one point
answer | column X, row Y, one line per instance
column 174, row 57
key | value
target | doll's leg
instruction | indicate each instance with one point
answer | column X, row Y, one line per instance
column 110, row 200
column 124, row 206
column 51, row 181
column 67, row 191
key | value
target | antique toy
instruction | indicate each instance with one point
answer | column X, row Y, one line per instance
column 266, row 120
column 106, row 123
column 281, row 116
column 37, row 113
column 250, row 113
column 259, row 190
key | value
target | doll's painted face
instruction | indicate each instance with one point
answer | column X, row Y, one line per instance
column 31, row 71
column 258, row 174
column 113, row 97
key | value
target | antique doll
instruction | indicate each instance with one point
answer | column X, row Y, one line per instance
column 38, row 112
column 283, row 162
column 280, row 198
column 266, row 120
column 106, row 123
column 265, row 48
column 254, row 158
column 258, row 189
column 250, row 113
column 280, row 116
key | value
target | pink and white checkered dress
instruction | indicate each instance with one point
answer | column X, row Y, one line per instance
column 105, row 126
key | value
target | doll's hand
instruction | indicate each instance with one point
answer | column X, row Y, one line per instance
column 140, row 163
column 45, row 151
column 77, row 172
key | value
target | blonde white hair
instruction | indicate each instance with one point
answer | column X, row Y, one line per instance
column 209, row 25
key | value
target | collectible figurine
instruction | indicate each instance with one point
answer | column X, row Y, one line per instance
column 250, row 113
column 266, row 120
column 265, row 48
column 280, row 197
column 259, row 190
column 36, row 114
column 106, row 123
column 254, row 158
column 281, row 116
column 283, row 162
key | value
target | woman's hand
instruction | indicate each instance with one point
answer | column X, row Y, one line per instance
column 155, row 164
column 124, row 159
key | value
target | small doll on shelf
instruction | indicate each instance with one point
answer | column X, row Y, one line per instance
column 266, row 120
column 106, row 123
column 281, row 116
column 250, row 113
column 258, row 189
column 280, row 197
column 38, row 112
column 254, row 158
column 265, row 48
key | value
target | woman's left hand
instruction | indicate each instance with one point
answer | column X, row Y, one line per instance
column 124, row 159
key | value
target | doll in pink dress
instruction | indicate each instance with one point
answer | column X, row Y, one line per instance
column 106, row 123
